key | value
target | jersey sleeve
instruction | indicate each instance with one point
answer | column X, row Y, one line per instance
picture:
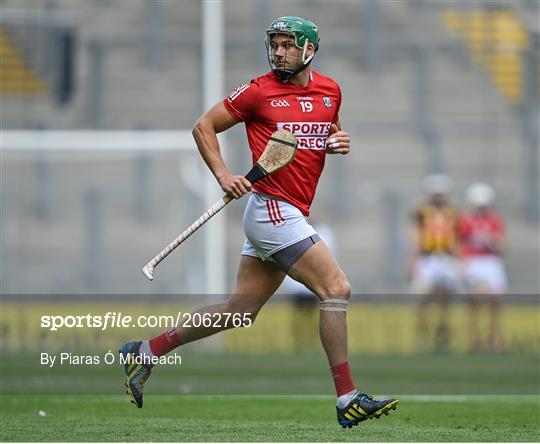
column 243, row 101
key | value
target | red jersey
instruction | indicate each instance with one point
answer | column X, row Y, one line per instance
column 479, row 232
column 268, row 104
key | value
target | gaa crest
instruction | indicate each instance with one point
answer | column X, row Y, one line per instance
column 327, row 102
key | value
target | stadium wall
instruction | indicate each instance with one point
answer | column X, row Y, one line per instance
column 280, row 328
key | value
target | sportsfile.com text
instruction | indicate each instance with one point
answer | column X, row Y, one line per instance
column 119, row 320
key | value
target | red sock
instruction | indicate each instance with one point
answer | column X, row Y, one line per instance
column 164, row 343
column 342, row 379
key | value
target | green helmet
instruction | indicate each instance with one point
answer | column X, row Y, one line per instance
column 304, row 32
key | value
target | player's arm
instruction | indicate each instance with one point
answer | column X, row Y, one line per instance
column 205, row 131
column 338, row 141
column 415, row 241
column 458, row 247
column 459, row 230
column 499, row 239
column 415, row 252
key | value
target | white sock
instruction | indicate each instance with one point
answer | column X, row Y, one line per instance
column 343, row 400
column 145, row 350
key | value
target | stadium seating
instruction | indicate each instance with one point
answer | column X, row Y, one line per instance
column 497, row 41
column 139, row 87
column 16, row 76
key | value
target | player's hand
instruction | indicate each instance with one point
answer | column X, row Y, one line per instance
column 236, row 186
column 338, row 141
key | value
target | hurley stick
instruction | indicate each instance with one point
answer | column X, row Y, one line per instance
column 279, row 152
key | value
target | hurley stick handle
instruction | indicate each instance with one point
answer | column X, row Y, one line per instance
column 148, row 269
column 279, row 152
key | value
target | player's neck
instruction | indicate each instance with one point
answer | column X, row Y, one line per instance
column 302, row 78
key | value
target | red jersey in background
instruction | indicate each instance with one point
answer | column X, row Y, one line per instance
column 479, row 232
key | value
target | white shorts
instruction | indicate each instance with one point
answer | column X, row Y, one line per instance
column 486, row 270
column 436, row 271
column 271, row 224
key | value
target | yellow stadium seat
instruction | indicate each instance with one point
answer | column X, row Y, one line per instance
column 496, row 40
column 16, row 76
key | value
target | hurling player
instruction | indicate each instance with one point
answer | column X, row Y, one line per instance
column 435, row 267
column 279, row 240
column 481, row 236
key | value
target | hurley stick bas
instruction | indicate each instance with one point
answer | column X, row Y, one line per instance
column 279, row 152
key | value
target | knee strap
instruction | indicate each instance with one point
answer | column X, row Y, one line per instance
column 334, row 305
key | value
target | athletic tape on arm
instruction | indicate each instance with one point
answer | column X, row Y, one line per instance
column 327, row 305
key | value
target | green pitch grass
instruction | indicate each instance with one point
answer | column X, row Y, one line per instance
column 444, row 398
column 301, row 374
column 263, row 418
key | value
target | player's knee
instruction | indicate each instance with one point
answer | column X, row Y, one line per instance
column 337, row 297
column 338, row 288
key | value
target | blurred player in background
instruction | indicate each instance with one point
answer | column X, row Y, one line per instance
column 279, row 240
column 435, row 273
column 481, row 236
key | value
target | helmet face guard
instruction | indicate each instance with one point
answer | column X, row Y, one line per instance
column 302, row 33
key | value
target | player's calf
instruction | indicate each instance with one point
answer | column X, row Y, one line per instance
column 334, row 304
column 247, row 312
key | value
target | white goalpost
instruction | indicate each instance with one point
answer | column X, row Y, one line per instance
column 213, row 38
column 85, row 145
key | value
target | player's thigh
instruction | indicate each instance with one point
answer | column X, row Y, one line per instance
column 490, row 271
column 445, row 276
column 256, row 282
column 319, row 270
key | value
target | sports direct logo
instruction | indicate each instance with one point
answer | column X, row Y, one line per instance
column 310, row 135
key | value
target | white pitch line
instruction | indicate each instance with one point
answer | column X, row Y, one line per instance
column 411, row 398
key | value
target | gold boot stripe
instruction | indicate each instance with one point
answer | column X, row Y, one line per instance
column 355, row 413
column 134, row 371
column 360, row 409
